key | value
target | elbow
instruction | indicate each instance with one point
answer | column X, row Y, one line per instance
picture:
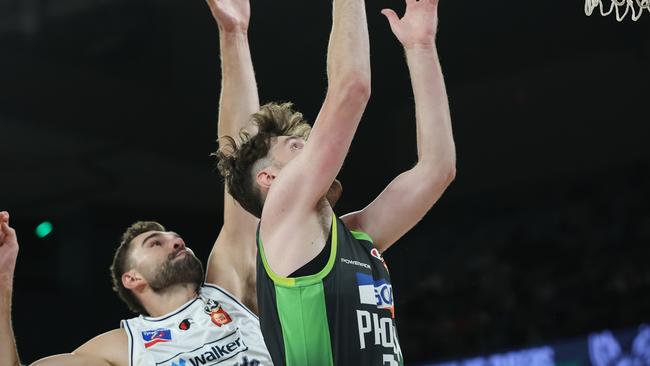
column 354, row 88
column 360, row 87
column 450, row 173
column 443, row 176
column 438, row 175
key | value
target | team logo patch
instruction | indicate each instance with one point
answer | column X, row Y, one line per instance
column 379, row 293
column 217, row 314
column 153, row 337
column 210, row 305
column 220, row 317
column 185, row 324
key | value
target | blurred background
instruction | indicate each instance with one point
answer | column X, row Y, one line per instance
column 108, row 115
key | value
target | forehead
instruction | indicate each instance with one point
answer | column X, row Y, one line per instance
column 141, row 238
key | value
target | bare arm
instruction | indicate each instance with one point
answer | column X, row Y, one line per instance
column 292, row 200
column 239, row 99
column 8, row 351
column 108, row 349
column 8, row 255
column 409, row 196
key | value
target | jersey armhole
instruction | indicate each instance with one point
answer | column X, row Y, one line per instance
column 360, row 235
column 125, row 324
column 304, row 280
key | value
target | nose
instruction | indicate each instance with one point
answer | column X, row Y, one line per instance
column 178, row 245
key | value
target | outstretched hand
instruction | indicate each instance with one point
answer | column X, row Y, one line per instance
column 417, row 28
column 8, row 250
column 231, row 15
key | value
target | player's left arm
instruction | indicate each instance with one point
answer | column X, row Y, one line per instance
column 231, row 261
column 409, row 196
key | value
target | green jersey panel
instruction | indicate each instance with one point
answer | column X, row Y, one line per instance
column 342, row 315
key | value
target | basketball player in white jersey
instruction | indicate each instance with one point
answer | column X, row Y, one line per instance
column 182, row 322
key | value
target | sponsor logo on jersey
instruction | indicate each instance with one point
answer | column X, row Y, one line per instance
column 246, row 362
column 185, row 324
column 375, row 253
column 356, row 263
column 153, row 337
column 379, row 293
column 211, row 353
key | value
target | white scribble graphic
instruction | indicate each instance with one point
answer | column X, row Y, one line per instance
column 622, row 7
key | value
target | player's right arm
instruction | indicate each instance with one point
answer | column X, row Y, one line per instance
column 295, row 192
column 108, row 349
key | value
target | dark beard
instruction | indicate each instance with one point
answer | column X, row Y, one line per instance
column 187, row 270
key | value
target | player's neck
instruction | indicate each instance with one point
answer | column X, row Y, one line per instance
column 164, row 302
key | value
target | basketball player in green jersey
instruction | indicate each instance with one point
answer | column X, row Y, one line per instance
column 324, row 292
column 232, row 261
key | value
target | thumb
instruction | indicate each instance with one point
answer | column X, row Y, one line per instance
column 391, row 16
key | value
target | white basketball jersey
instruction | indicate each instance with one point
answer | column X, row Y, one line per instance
column 213, row 329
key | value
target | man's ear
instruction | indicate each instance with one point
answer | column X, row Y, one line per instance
column 132, row 280
column 264, row 178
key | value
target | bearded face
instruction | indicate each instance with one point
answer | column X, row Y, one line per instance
column 177, row 270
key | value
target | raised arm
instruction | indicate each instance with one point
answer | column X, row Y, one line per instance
column 291, row 204
column 108, row 349
column 409, row 196
column 8, row 255
column 232, row 260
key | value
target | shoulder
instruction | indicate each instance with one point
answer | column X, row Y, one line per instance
column 352, row 223
column 352, row 220
column 219, row 294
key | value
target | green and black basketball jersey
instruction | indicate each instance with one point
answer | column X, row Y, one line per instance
column 342, row 315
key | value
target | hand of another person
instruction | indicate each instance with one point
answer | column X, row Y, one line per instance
column 8, row 250
column 417, row 28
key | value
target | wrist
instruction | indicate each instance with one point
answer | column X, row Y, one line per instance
column 421, row 51
column 234, row 34
column 420, row 47
column 5, row 297
column 6, row 284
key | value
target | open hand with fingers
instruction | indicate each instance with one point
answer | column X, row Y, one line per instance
column 8, row 250
column 232, row 16
column 417, row 28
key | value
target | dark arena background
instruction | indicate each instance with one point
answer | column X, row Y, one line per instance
column 537, row 254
